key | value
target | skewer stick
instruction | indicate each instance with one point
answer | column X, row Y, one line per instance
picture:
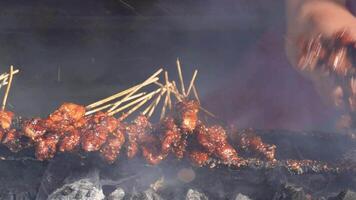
column 133, row 109
column 192, row 82
column 180, row 76
column 115, row 96
column 169, row 91
column 135, row 90
column 8, row 87
column 163, row 112
column 108, row 105
column 144, row 98
column 6, row 75
column 176, row 92
column 151, row 105
column 156, row 103
column 196, row 93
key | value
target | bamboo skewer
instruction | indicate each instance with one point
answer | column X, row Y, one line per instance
column 169, row 91
column 180, row 76
column 8, row 87
column 109, row 105
column 192, row 82
column 163, row 111
column 133, row 109
column 135, row 90
column 158, row 99
column 6, row 75
column 196, row 93
column 144, row 98
column 120, row 94
column 152, row 103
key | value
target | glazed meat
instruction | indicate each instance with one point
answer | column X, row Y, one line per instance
column 186, row 115
column 135, row 133
column 214, row 141
column 69, row 141
column 46, row 147
column 199, row 158
column 96, row 131
column 12, row 140
column 151, row 149
column 248, row 140
column 111, row 149
column 170, row 135
column 34, row 128
column 64, row 118
column 6, row 119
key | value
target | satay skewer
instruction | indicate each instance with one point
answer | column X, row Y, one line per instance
column 192, row 82
column 169, row 91
column 111, row 104
column 196, row 93
column 120, row 94
column 180, row 76
column 153, row 102
column 135, row 90
column 144, row 98
column 125, row 115
column 4, row 76
column 8, row 87
column 165, row 103
column 156, row 102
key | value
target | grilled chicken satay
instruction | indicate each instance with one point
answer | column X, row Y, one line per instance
column 96, row 130
column 247, row 140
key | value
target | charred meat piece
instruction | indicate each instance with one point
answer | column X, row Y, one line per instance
column 64, row 118
column 249, row 141
column 151, row 149
column 46, row 147
column 34, row 128
column 170, row 136
column 135, row 133
column 6, row 119
column 69, row 141
column 96, row 131
column 199, row 158
column 12, row 140
column 214, row 141
column 186, row 115
column 111, row 149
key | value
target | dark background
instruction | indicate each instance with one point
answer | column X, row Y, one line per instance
column 101, row 47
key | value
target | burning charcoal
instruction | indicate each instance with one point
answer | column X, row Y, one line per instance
column 345, row 195
column 117, row 194
column 290, row 192
column 195, row 195
column 83, row 189
column 242, row 197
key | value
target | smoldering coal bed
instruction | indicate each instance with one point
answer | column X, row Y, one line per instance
column 73, row 177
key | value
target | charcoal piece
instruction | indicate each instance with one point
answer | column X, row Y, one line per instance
column 195, row 195
column 345, row 195
column 83, row 189
column 149, row 194
column 290, row 192
column 117, row 194
column 240, row 196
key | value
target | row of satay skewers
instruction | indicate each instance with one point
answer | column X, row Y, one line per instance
column 179, row 133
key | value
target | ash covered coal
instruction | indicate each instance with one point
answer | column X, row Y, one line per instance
column 72, row 177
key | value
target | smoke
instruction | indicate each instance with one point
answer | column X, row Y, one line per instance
column 81, row 53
